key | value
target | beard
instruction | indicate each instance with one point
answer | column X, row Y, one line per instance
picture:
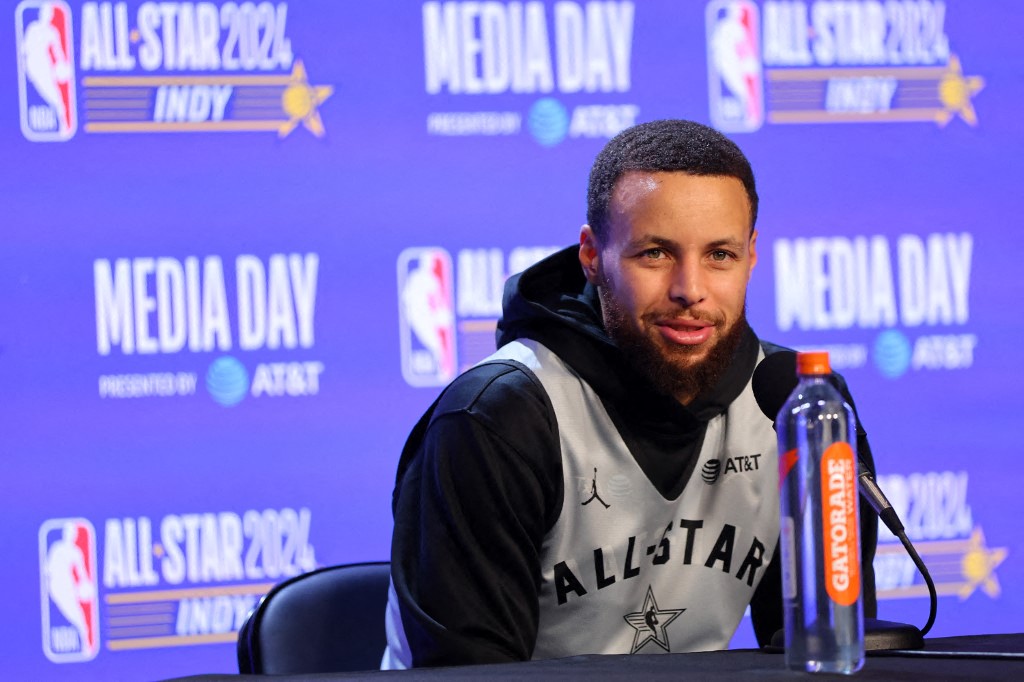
column 683, row 372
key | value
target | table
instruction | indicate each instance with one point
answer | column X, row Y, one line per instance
column 973, row 657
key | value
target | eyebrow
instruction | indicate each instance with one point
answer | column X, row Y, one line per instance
column 731, row 243
column 666, row 243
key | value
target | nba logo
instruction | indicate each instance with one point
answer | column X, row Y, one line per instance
column 67, row 574
column 735, row 90
column 426, row 312
column 46, row 71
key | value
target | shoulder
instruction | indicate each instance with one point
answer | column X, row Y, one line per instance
column 498, row 406
column 498, row 393
column 495, row 423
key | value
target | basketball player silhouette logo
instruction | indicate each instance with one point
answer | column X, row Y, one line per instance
column 70, row 600
column 593, row 492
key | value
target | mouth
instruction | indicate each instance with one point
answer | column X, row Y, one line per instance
column 685, row 332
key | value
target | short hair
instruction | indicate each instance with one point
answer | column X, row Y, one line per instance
column 668, row 145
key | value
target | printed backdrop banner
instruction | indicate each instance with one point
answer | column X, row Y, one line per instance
column 246, row 243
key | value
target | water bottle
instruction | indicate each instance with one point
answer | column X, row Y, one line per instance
column 821, row 575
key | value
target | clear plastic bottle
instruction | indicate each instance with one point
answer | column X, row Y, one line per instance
column 821, row 581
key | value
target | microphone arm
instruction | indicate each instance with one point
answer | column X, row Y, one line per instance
column 870, row 491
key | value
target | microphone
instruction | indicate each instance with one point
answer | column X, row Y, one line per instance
column 774, row 379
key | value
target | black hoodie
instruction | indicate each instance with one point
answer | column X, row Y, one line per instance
column 480, row 479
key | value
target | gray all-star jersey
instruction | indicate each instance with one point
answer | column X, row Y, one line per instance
column 625, row 570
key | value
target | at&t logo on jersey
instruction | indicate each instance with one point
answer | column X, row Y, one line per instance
column 46, row 71
column 735, row 88
column 426, row 316
column 70, row 603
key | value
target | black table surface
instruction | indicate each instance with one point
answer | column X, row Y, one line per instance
column 972, row 657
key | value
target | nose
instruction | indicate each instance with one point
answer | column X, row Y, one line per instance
column 689, row 286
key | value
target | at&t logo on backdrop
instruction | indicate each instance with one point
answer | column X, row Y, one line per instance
column 913, row 289
column 172, row 307
column 70, row 599
column 476, row 50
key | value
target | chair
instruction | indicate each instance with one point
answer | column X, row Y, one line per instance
column 328, row 620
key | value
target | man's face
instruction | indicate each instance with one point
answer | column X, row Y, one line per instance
column 672, row 273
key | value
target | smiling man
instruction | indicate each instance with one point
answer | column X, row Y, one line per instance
column 605, row 482
column 671, row 263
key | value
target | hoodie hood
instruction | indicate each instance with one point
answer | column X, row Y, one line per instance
column 552, row 297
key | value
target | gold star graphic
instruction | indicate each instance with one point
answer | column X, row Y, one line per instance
column 978, row 566
column 956, row 92
column 300, row 100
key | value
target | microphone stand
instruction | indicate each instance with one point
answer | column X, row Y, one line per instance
column 883, row 634
column 887, row 635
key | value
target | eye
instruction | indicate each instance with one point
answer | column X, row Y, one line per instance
column 656, row 253
column 720, row 255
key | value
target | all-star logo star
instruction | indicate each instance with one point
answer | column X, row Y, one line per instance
column 650, row 623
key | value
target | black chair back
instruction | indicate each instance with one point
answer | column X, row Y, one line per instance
column 328, row 620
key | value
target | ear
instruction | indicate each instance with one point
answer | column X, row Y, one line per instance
column 752, row 248
column 589, row 253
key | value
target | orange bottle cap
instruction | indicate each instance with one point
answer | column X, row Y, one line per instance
column 813, row 362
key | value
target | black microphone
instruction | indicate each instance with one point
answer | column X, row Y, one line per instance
column 774, row 379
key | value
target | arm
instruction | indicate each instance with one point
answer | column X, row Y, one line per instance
column 471, row 510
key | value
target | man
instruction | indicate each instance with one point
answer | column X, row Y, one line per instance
column 605, row 483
